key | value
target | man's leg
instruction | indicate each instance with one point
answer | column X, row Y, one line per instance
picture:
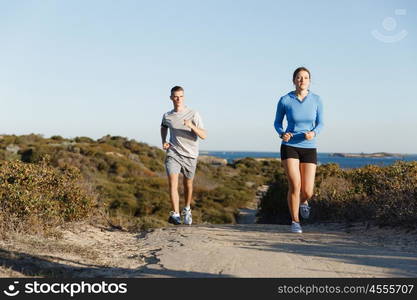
column 188, row 190
column 188, row 195
column 173, row 191
column 189, row 168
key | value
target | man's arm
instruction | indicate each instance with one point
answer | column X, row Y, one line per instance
column 202, row 134
column 164, row 133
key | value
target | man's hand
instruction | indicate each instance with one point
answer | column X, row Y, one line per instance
column 309, row 135
column 199, row 131
column 166, row 146
column 188, row 123
column 287, row 136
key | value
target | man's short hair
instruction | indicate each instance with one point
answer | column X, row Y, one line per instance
column 176, row 89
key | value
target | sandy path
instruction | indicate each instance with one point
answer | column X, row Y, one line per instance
column 215, row 251
column 270, row 251
column 247, row 215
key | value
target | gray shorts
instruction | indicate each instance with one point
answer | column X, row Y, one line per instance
column 176, row 163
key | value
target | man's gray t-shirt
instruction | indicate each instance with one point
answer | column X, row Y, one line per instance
column 182, row 139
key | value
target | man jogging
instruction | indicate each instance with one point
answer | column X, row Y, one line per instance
column 185, row 127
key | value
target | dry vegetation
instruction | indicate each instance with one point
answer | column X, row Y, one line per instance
column 383, row 195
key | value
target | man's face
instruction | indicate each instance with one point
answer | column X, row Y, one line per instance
column 177, row 98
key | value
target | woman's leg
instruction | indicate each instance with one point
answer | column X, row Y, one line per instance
column 308, row 173
column 292, row 169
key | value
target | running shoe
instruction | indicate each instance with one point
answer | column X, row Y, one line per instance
column 305, row 211
column 174, row 218
column 296, row 227
column 188, row 218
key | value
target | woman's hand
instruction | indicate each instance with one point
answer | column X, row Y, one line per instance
column 310, row 135
column 287, row 136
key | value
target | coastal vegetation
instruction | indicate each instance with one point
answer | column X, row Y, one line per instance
column 48, row 181
column 386, row 196
column 37, row 197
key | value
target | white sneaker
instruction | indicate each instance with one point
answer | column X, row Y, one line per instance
column 296, row 227
column 174, row 218
column 305, row 211
column 188, row 218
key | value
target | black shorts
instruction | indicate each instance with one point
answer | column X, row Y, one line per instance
column 305, row 155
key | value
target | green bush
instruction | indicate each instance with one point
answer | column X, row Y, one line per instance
column 41, row 196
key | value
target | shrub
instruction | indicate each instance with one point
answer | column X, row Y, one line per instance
column 384, row 195
column 37, row 194
column 57, row 138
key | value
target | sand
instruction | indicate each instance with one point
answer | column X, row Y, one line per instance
column 244, row 250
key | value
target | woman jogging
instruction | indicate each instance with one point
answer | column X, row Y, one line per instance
column 304, row 114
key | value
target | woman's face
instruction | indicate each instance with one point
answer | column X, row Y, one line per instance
column 302, row 80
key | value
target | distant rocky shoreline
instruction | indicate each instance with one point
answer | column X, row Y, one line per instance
column 216, row 161
column 368, row 155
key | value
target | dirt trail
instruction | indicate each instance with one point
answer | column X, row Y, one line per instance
column 271, row 251
column 247, row 215
column 247, row 250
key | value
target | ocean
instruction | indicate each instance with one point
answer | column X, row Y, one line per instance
column 323, row 158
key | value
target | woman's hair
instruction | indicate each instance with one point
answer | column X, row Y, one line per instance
column 298, row 70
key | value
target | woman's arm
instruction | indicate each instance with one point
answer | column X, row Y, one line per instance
column 319, row 118
column 279, row 117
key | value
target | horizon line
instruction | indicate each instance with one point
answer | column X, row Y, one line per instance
column 265, row 151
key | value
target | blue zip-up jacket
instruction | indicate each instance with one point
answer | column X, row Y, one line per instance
column 302, row 116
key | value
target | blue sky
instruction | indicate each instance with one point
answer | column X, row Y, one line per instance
column 91, row 68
